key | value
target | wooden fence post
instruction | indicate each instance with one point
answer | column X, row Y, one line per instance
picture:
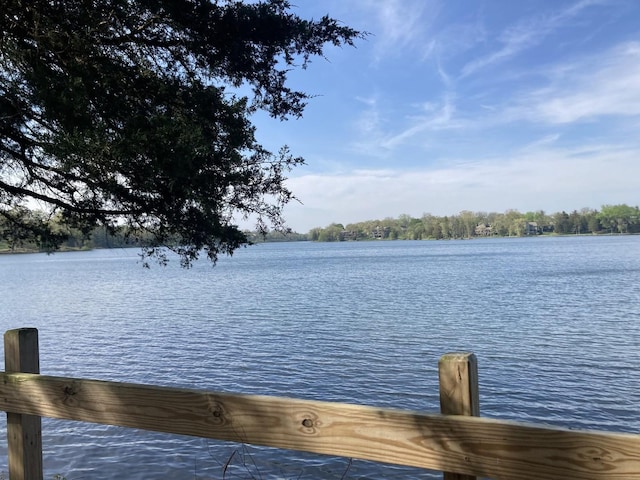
column 24, row 432
column 458, row 376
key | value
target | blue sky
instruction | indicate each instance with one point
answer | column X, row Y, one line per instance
column 454, row 105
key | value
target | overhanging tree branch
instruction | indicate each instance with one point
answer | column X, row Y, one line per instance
column 20, row 191
column 117, row 111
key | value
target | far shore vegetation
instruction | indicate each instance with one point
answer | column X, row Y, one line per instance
column 610, row 219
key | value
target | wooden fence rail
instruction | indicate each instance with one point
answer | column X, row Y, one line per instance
column 466, row 444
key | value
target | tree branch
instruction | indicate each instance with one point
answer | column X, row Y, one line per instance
column 62, row 204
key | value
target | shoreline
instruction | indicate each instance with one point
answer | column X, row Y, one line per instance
column 23, row 251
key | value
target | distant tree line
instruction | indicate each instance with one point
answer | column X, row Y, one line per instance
column 51, row 232
column 17, row 229
column 467, row 224
column 25, row 230
column 275, row 236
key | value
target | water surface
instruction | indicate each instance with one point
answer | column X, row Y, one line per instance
column 553, row 321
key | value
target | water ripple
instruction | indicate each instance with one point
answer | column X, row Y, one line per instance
column 553, row 322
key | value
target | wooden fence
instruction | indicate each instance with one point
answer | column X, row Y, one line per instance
column 457, row 440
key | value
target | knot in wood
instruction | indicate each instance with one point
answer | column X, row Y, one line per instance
column 217, row 414
column 69, row 391
column 307, row 422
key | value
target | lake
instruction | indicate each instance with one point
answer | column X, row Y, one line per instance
column 553, row 321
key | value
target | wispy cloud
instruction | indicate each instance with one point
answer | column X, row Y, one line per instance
column 542, row 142
column 368, row 128
column 458, row 38
column 607, row 84
column 378, row 138
column 368, row 123
column 434, row 117
column 445, row 77
column 527, row 33
column 400, row 24
column 602, row 86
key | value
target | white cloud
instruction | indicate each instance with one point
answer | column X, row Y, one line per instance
column 544, row 141
column 435, row 118
column 536, row 178
column 609, row 85
column 376, row 140
column 604, row 85
column 400, row 24
column 445, row 77
column 368, row 122
column 526, row 34
column 598, row 87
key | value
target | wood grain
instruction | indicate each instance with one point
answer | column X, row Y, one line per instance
column 468, row 445
column 459, row 393
column 24, row 432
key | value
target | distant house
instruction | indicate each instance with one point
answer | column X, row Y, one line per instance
column 483, row 230
column 532, row 228
column 380, row 232
column 348, row 235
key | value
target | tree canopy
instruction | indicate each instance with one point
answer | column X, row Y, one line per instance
column 467, row 224
column 137, row 115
